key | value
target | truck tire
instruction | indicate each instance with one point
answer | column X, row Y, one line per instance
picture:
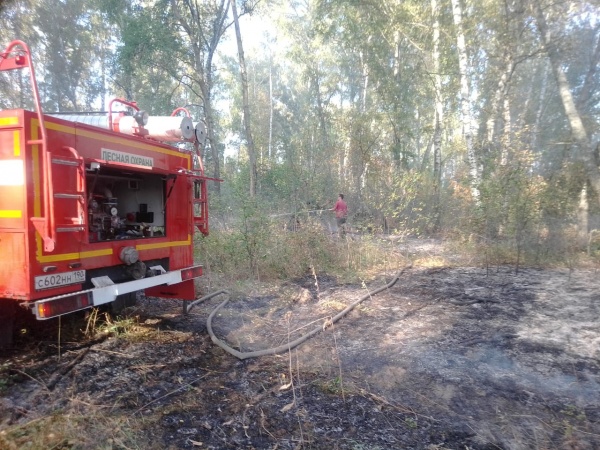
column 123, row 301
column 7, row 322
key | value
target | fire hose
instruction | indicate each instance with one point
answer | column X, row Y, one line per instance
column 290, row 345
column 298, row 213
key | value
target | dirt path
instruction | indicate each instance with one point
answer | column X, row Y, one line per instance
column 451, row 358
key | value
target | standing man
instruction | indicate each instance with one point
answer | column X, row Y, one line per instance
column 341, row 212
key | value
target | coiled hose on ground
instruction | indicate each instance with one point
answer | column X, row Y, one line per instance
column 289, row 345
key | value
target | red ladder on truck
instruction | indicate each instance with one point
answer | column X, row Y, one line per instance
column 62, row 222
column 200, row 205
column 18, row 56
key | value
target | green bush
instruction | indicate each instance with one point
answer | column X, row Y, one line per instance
column 258, row 248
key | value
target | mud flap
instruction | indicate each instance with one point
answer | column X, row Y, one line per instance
column 7, row 322
column 185, row 290
column 123, row 301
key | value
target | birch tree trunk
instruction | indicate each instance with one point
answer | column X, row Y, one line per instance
column 270, row 109
column 537, row 125
column 365, row 82
column 465, row 94
column 438, row 116
column 583, row 216
column 246, row 105
column 500, row 108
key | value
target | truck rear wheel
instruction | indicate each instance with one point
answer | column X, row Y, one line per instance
column 7, row 322
column 123, row 301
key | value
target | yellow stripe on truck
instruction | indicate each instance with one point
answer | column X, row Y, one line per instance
column 10, row 214
column 74, row 256
column 164, row 244
column 17, row 143
column 8, row 121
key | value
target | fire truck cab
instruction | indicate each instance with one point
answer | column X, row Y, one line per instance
column 94, row 209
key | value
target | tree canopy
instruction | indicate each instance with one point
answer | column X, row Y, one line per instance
column 431, row 116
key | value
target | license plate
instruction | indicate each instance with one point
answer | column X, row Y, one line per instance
column 59, row 279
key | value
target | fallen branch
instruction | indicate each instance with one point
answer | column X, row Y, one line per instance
column 397, row 407
column 168, row 394
column 41, row 383
column 111, row 352
column 62, row 372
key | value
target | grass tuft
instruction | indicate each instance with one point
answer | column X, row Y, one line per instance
column 73, row 431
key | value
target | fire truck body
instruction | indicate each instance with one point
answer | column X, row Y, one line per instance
column 89, row 215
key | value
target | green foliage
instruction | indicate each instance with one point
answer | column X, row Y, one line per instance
column 142, row 67
column 258, row 248
column 411, row 423
column 404, row 199
column 342, row 99
column 98, row 323
column 522, row 219
column 333, row 386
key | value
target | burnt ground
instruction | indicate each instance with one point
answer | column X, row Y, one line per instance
column 448, row 358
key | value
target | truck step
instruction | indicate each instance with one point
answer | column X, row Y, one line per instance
column 75, row 196
column 66, row 161
column 69, row 228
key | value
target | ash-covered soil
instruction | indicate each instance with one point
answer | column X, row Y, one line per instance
column 448, row 358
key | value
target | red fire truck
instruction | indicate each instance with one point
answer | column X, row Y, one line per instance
column 94, row 209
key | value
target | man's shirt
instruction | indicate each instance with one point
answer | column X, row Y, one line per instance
column 341, row 209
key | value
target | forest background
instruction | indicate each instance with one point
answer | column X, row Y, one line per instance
column 471, row 120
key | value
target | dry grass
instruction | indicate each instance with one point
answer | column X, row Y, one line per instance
column 94, row 429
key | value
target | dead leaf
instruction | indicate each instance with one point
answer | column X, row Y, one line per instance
column 287, row 407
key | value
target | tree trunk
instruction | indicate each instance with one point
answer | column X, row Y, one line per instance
column 271, row 156
column 324, row 138
column 583, row 217
column 246, row 105
column 499, row 109
column 210, row 133
column 438, row 117
column 365, row 82
column 577, row 128
column 204, row 44
column 507, row 132
column 475, row 178
column 537, row 125
column 586, row 91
